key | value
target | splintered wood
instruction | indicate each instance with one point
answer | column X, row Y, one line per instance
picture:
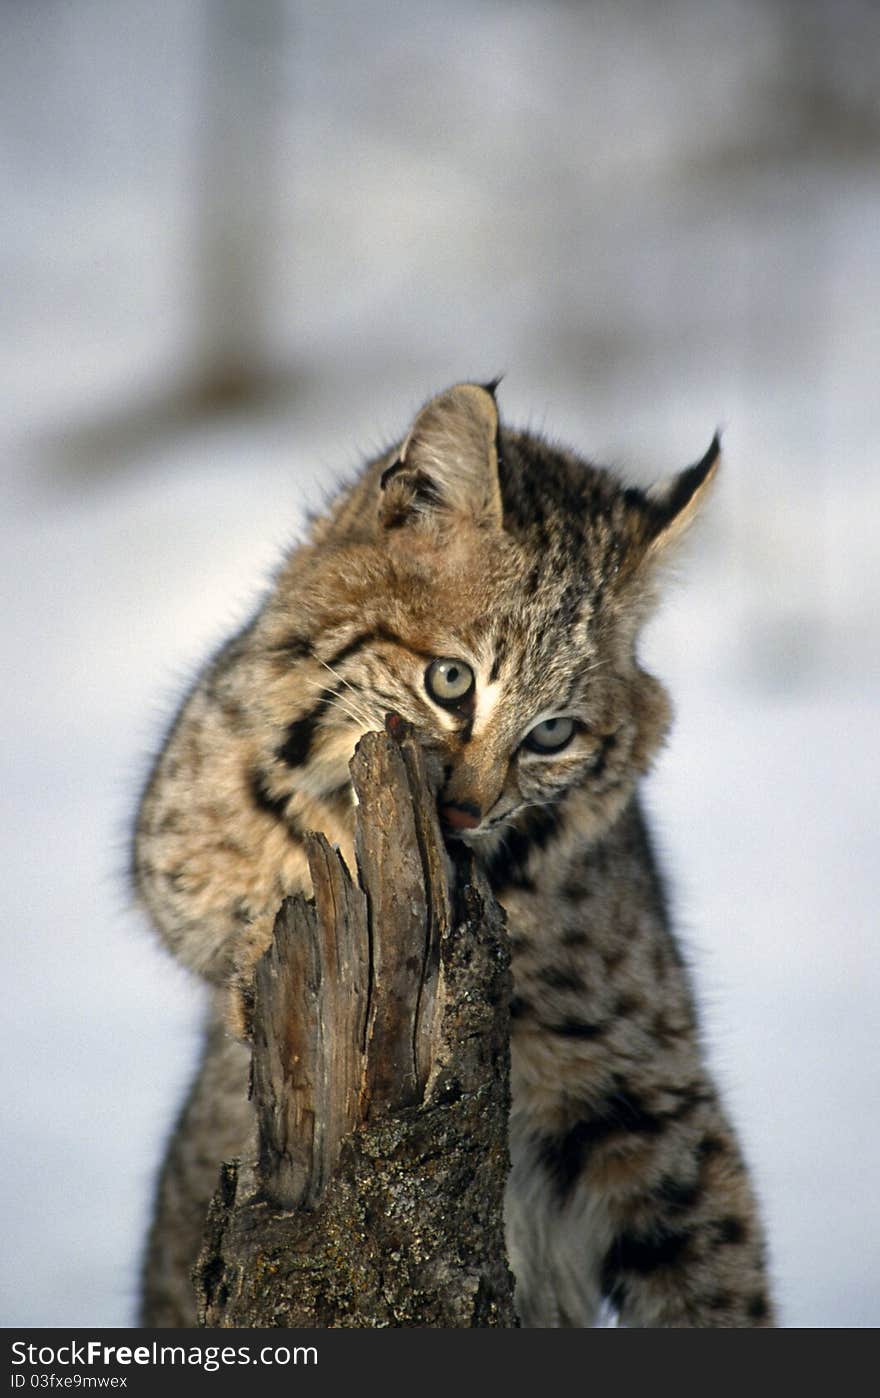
column 380, row 1081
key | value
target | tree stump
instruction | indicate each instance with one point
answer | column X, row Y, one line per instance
column 381, row 1083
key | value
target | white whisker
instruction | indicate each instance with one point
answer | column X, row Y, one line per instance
column 356, row 711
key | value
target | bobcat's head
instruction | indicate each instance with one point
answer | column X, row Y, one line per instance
column 489, row 588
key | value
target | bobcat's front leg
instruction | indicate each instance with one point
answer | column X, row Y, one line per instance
column 687, row 1246
column 643, row 1203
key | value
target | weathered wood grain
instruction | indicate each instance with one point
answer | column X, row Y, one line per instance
column 380, row 1078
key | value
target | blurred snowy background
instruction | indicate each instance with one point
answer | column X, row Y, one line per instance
column 241, row 242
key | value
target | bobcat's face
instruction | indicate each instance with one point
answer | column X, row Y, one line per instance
column 492, row 599
column 517, row 683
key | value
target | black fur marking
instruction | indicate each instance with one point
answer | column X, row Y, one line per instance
column 709, row 1146
column 519, row 1008
column 643, row 1254
column 295, row 647
column 382, row 633
column 508, row 866
column 665, row 1033
column 689, row 1099
column 575, row 889
column 262, row 797
column 625, row 1006
column 600, row 762
column 297, row 745
column 350, row 648
column 614, row 957
column 677, row 1194
column 367, row 638
column 561, row 978
column 300, row 735
column 730, row 1231
column 758, row 1307
column 565, row 1157
column 576, row 1029
column 498, row 659
column 570, row 605
column 573, row 937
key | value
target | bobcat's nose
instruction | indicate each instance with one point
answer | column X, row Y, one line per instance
column 462, row 815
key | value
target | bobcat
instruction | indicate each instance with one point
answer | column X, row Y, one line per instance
column 489, row 588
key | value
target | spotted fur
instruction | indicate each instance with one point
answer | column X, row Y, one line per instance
column 534, row 569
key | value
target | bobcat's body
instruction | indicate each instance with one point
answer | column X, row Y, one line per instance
column 472, row 556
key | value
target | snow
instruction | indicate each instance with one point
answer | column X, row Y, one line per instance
column 635, row 219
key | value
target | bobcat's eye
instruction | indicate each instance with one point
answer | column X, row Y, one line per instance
column 449, row 681
column 550, row 736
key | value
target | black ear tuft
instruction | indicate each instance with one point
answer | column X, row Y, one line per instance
column 492, row 385
column 669, row 509
column 685, row 485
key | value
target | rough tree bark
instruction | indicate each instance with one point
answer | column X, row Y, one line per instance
column 380, row 1077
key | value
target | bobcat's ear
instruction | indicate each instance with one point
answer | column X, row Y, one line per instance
column 668, row 509
column 448, row 464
